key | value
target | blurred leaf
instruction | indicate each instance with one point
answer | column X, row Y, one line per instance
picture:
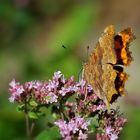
column 93, row 124
column 6, row 10
column 76, row 25
column 20, row 107
column 68, row 32
column 51, row 134
column 131, row 130
column 32, row 115
column 33, row 103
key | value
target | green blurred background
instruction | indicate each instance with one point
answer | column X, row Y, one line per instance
column 32, row 33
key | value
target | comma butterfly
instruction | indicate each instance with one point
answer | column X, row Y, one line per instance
column 104, row 69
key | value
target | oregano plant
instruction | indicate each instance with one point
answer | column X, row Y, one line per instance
column 75, row 111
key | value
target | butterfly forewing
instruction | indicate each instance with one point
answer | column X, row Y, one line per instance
column 99, row 71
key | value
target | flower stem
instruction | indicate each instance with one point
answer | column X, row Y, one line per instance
column 27, row 126
column 32, row 127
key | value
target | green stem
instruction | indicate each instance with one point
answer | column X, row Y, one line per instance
column 27, row 125
column 32, row 127
column 27, row 120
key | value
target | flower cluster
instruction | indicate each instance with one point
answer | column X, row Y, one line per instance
column 88, row 101
column 35, row 89
column 112, row 124
column 46, row 92
column 42, row 92
column 72, row 112
column 77, row 127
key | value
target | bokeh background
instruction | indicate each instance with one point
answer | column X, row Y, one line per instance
column 32, row 35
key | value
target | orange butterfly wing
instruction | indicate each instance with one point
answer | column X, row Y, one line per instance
column 101, row 70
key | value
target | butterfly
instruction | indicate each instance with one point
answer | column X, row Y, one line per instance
column 104, row 69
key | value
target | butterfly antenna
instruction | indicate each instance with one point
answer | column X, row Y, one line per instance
column 80, row 74
column 87, row 53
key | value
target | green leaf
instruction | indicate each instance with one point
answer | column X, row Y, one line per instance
column 48, row 97
column 50, row 134
column 33, row 103
column 93, row 124
column 32, row 115
column 20, row 107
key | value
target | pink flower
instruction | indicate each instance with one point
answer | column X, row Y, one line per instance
column 101, row 106
column 113, row 136
column 65, row 90
column 101, row 136
column 76, row 126
column 16, row 90
column 52, row 85
column 51, row 98
column 108, row 130
column 82, row 87
column 57, row 75
column 82, row 136
column 112, row 124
